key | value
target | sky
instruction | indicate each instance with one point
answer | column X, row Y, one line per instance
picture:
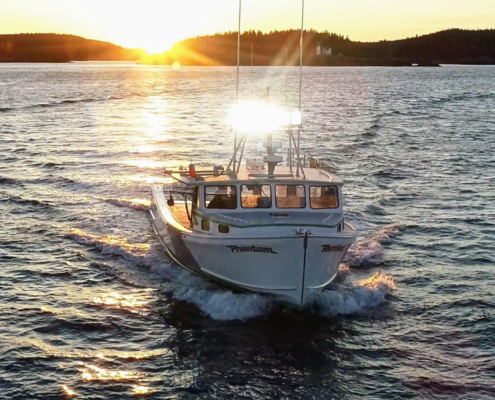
column 155, row 25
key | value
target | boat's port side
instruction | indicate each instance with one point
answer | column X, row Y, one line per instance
column 169, row 229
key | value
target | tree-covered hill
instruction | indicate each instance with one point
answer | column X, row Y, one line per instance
column 451, row 46
column 47, row 47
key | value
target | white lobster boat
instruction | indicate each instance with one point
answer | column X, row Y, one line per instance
column 278, row 234
column 259, row 227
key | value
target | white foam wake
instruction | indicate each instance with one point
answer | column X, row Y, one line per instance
column 135, row 204
column 221, row 304
column 369, row 251
column 354, row 299
column 225, row 305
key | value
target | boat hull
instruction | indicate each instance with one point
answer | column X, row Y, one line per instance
column 289, row 267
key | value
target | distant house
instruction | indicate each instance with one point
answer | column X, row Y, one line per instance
column 323, row 51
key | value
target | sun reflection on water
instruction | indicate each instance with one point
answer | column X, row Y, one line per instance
column 91, row 372
column 138, row 389
column 147, row 179
column 138, row 249
column 145, row 163
column 68, row 391
column 148, row 149
column 154, row 120
column 135, row 302
column 377, row 281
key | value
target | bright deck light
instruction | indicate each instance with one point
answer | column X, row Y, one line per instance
column 255, row 117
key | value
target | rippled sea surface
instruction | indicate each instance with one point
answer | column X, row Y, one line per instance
column 91, row 307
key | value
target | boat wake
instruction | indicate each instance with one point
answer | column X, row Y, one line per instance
column 355, row 298
column 135, row 204
column 112, row 245
column 343, row 297
column 369, row 251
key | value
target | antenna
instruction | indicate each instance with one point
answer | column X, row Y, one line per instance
column 238, row 53
column 251, row 69
column 300, row 90
column 237, row 81
column 301, row 54
column 286, row 84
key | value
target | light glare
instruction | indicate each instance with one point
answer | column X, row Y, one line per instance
column 253, row 117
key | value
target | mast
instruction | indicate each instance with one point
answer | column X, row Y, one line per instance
column 301, row 54
column 300, row 91
column 251, row 69
column 238, row 54
column 237, row 81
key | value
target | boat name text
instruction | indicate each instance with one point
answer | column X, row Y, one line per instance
column 251, row 249
column 326, row 248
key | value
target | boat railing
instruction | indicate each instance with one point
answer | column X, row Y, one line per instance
column 308, row 161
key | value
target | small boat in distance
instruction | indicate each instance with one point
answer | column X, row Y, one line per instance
column 262, row 226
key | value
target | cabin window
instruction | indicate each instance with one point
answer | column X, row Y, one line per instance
column 223, row 228
column 221, row 197
column 290, row 196
column 324, row 197
column 256, row 196
column 205, row 224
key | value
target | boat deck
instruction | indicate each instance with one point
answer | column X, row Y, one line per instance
column 180, row 213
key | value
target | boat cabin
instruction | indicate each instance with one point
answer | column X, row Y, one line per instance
column 221, row 204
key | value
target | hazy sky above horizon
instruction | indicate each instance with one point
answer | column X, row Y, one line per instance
column 156, row 24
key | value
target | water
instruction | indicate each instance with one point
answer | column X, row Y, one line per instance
column 91, row 305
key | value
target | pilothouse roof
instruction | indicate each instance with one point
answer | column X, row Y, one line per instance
column 283, row 175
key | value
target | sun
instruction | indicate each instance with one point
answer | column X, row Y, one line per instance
column 153, row 39
column 152, row 43
column 156, row 45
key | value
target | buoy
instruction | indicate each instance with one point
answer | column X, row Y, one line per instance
column 192, row 171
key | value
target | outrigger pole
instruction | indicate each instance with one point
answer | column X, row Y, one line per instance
column 237, row 83
column 300, row 91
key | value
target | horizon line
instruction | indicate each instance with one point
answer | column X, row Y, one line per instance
column 247, row 32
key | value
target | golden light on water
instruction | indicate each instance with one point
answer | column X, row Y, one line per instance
column 145, row 163
column 378, row 280
column 94, row 373
column 133, row 303
column 148, row 149
column 149, row 179
column 139, row 202
column 68, row 391
column 176, row 65
column 102, row 354
column 138, row 389
column 154, row 119
column 138, row 249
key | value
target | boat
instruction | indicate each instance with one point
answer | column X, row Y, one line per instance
column 265, row 225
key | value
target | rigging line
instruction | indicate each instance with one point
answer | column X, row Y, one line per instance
column 301, row 54
column 238, row 53
column 300, row 89
column 237, row 83
column 286, row 83
column 251, row 69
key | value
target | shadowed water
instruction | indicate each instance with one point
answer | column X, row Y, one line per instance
column 92, row 307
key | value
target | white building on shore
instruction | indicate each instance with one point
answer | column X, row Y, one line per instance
column 323, row 51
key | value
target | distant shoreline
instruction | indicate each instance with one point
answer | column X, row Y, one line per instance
column 454, row 46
